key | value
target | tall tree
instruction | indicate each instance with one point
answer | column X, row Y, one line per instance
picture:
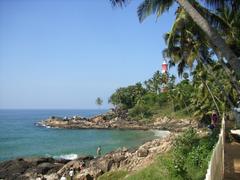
column 99, row 101
column 160, row 6
column 186, row 44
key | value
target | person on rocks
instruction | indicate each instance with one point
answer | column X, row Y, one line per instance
column 99, row 151
column 214, row 120
column 82, row 164
column 63, row 177
column 71, row 173
column 40, row 177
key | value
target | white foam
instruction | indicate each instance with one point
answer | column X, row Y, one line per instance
column 66, row 156
column 160, row 133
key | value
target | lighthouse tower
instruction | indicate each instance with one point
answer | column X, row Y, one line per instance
column 164, row 67
column 165, row 73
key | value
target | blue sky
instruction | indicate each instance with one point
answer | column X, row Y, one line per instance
column 66, row 53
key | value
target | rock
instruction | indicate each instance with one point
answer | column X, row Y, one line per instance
column 62, row 161
column 142, row 152
column 75, row 164
column 91, row 172
column 36, row 161
column 43, row 168
column 13, row 169
column 97, row 119
column 85, row 158
column 84, row 177
column 53, row 176
column 118, row 156
column 55, row 168
column 104, row 163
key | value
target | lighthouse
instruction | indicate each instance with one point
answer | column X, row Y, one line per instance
column 165, row 76
column 164, row 67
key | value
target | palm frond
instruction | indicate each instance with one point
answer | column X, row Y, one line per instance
column 148, row 7
column 119, row 2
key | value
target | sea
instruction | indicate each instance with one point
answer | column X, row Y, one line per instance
column 21, row 137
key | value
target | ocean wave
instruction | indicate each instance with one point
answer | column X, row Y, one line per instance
column 160, row 133
column 45, row 126
column 66, row 156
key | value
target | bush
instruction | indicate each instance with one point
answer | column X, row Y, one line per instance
column 191, row 155
column 140, row 111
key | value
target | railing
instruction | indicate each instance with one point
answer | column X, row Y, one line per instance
column 216, row 165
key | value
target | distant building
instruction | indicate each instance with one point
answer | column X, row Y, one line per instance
column 165, row 73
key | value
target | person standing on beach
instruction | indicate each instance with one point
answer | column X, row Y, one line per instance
column 99, row 151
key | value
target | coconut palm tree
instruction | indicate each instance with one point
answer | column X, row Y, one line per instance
column 99, row 101
column 186, row 44
column 148, row 7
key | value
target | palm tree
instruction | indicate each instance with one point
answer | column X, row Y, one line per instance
column 185, row 44
column 99, row 101
column 160, row 6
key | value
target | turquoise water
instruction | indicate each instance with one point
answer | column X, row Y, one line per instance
column 19, row 137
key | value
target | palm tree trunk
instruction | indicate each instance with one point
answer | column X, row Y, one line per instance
column 213, row 36
column 210, row 92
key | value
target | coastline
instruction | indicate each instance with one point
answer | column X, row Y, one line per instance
column 50, row 168
column 128, row 159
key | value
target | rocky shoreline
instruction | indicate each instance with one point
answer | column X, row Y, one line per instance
column 86, row 167
column 112, row 121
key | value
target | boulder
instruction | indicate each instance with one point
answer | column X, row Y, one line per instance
column 84, row 177
column 119, row 156
column 105, row 163
column 43, row 168
column 97, row 119
column 13, row 169
column 142, row 152
column 36, row 161
column 53, row 176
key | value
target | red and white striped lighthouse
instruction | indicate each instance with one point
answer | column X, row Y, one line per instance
column 164, row 67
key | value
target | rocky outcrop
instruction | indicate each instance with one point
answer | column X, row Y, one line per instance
column 97, row 122
column 174, row 125
column 23, row 168
column 105, row 122
column 31, row 168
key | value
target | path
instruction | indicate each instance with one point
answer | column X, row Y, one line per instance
column 232, row 161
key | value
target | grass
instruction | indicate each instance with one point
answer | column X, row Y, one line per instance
column 167, row 110
column 113, row 175
column 156, row 171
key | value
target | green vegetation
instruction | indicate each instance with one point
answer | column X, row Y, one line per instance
column 196, row 95
column 217, row 22
column 116, row 175
column 187, row 160
column 207, row 53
